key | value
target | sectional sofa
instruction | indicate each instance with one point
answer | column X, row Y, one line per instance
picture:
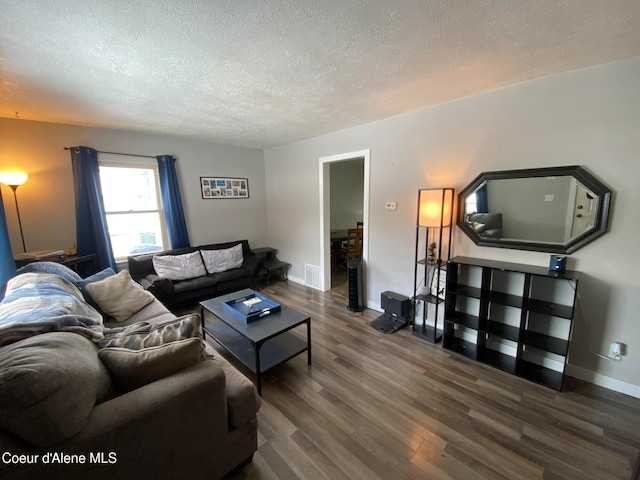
column 124, row 389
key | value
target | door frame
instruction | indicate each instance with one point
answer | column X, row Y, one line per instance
column 325, row 212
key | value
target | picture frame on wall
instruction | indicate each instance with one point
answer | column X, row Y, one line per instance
column 224, row 187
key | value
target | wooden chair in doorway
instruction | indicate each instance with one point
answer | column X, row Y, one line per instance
column 352, row 246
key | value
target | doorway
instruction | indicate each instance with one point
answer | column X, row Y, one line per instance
column 346, row 187
column 583, row 211
column 361, row 157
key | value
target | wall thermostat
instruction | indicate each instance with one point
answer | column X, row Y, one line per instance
column 390, row 205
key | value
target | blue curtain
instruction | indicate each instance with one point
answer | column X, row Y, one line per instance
column 7, row 265
column 91, row 221
column 172, row 202
column 482, row 199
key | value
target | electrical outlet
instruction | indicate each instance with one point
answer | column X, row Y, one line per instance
column 615, row 351
column 390, row 205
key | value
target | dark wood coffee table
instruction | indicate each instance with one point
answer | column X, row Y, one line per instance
column 260, row 345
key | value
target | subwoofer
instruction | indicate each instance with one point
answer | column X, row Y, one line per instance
column 354, row 270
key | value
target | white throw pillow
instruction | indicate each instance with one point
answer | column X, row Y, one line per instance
column 222, row 260
column 179, row 267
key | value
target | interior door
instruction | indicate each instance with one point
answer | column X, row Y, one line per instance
column 583, row 211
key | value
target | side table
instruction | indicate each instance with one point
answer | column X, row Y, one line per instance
column 84, row 265
column 271, row 262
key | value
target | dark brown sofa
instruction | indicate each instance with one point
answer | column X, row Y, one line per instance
column 171, row 292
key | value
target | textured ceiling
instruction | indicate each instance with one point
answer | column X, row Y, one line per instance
column 262, row 73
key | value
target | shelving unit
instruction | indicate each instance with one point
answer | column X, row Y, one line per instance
column 517, row 318
column 433, row 249
column 271, row 263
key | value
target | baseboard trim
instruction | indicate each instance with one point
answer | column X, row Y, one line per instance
column 374, row 306
column 301, row 282
column 603, row 381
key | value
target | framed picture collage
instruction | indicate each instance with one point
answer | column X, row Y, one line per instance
column 224, row 187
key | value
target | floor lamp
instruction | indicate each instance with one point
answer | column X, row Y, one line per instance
column 433, row 250
column 14, row 180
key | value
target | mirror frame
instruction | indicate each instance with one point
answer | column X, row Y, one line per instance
column 588, row 180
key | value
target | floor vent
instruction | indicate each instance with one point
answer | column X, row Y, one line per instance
column 311, row 275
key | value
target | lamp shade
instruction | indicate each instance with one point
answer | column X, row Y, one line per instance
column 13, row 178
column 434, row 207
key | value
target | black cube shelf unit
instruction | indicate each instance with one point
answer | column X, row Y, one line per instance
column 517, row 318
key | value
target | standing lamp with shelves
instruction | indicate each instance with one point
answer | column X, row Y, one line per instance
column 433, row 249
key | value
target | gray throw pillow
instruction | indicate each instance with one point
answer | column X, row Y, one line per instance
column 96, row 277
column 131, row 369
column 144, row 352
column 49, row 385
column 119, row 296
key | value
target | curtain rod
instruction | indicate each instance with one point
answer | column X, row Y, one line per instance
column 116, row 153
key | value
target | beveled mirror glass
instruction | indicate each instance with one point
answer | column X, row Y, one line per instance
column 557, row 209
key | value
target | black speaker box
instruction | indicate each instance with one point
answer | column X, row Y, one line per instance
column 395, row 304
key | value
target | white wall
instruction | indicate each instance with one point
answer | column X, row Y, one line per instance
column 525, row 213
column 587, row 117
column 46, row 200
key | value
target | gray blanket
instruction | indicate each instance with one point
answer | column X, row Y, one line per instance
column 41, row 302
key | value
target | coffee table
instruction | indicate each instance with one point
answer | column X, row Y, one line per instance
column 259, row 345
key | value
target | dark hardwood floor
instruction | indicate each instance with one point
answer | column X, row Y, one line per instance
column 380, row 406
column 340, row 281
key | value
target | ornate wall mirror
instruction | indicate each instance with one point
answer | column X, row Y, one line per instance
column 556, row 210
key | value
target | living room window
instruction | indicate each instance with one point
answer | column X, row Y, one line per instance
column 133, row 207
column 471, row 204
